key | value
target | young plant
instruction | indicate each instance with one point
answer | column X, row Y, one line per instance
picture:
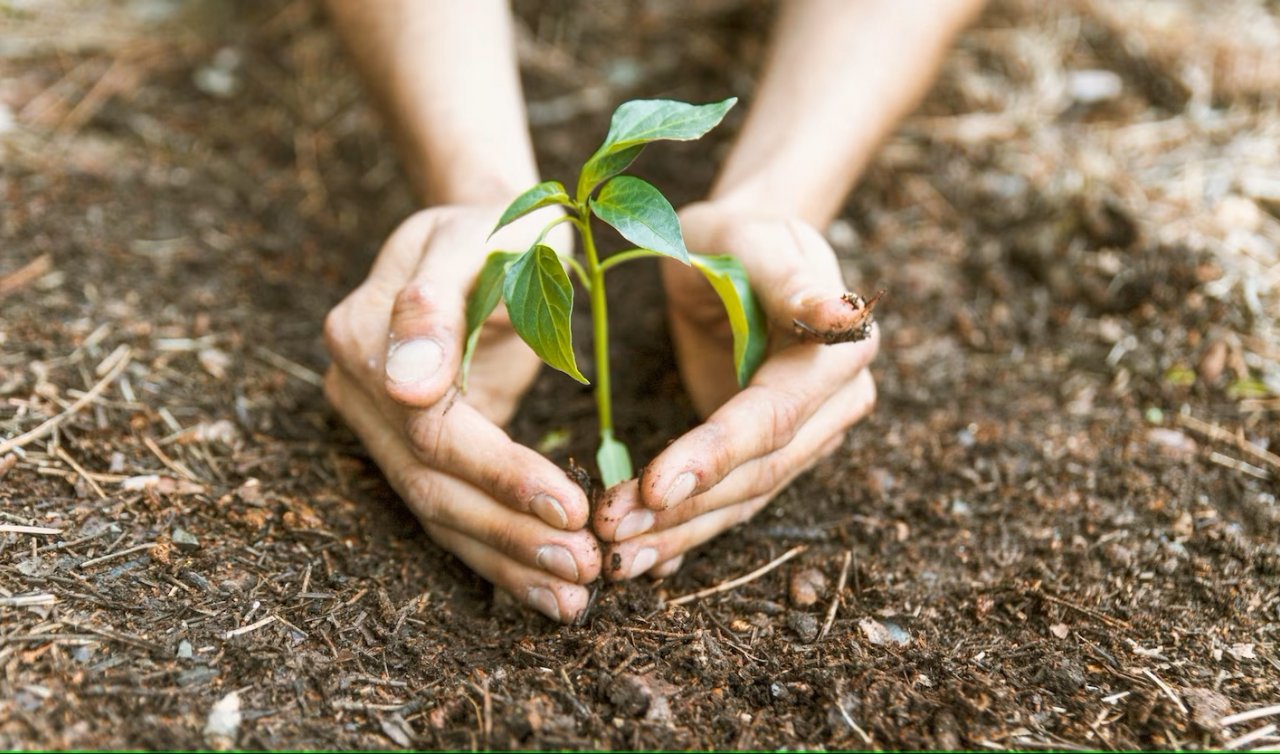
column 537, row 290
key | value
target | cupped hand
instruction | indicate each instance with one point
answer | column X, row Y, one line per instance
column 396, row 342
column 754, row 441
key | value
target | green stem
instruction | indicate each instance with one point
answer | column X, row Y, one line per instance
column 599, row 323
column 624, row 257
column 581, row 273
column 547, row 228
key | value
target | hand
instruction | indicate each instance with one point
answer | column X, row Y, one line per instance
column 396, row 342
column 754, row 441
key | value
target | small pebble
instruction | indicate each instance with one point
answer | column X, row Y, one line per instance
column 807, row 586
column 185, row 539
column 224, row 722
column 884, row 632
column 1095, row 85
column 803, row 625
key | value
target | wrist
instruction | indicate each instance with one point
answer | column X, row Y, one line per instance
column 459, row 180
column 725, row 207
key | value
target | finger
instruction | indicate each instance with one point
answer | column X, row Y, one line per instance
column 621, row 513
column 427, row 326
column 637, row 556
column 667, row 568
column 455, row 438
column 793, row 270
column 440, row 499
column 786, row 391
column 556, row 599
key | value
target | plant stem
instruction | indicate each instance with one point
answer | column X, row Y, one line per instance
column 599, row 323
column 625, row 256
column 581, row 273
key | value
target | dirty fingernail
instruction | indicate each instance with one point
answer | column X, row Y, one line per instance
column 635, row 522
column 680, row 489
column 549, row 509
column 541, row 599
column 558, row 561
column 643, row 561
column 414, row 361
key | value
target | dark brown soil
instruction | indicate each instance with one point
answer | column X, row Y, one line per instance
column 1061, row 521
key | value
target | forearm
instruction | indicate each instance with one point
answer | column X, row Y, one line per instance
column 839, row 76
column 446, row 75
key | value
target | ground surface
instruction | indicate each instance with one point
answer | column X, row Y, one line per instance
column 1061, row 522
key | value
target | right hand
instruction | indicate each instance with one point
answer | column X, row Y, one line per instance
column 506, row 511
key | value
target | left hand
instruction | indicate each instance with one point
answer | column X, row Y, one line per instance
column 756, row 440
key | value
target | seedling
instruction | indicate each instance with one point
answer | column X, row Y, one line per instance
column 539, row 294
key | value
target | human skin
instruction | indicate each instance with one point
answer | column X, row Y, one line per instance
column 839, row 75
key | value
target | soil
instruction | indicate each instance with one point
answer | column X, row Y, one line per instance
column 1060, row 524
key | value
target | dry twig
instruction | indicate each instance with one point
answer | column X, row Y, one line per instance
column 54, row 422
column 88, row 478
column 1253, row 714
column 1237, row 439
column 118, row 554
column 1239, row 742
column 835, row 599
column 20, row 529
column 1167, row 690
column 25, row 275
column 251, row 627
column 727, row 585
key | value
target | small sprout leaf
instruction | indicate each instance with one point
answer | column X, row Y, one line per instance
column 543, row 195
column 613, row 459
column 539, row 300
column 642, row 215
column 484, row 298
column 746, row 319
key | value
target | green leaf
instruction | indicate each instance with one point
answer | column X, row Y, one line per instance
column 539, row 301
column 602, row 166
column 639, row 122
column 746, row 319
column 642, row 215
column 613, row 459
column 542, row 195
column 484, row 298
column 644, row 120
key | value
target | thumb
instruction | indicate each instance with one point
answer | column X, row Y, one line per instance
column 427, row 328
column 797, row 277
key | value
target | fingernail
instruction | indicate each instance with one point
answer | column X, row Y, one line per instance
column 559, row 561
column 549, row 509
column 541, row 599
column 635, row 522
column 414, row 361
column 643, row 561
column 680, row 489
